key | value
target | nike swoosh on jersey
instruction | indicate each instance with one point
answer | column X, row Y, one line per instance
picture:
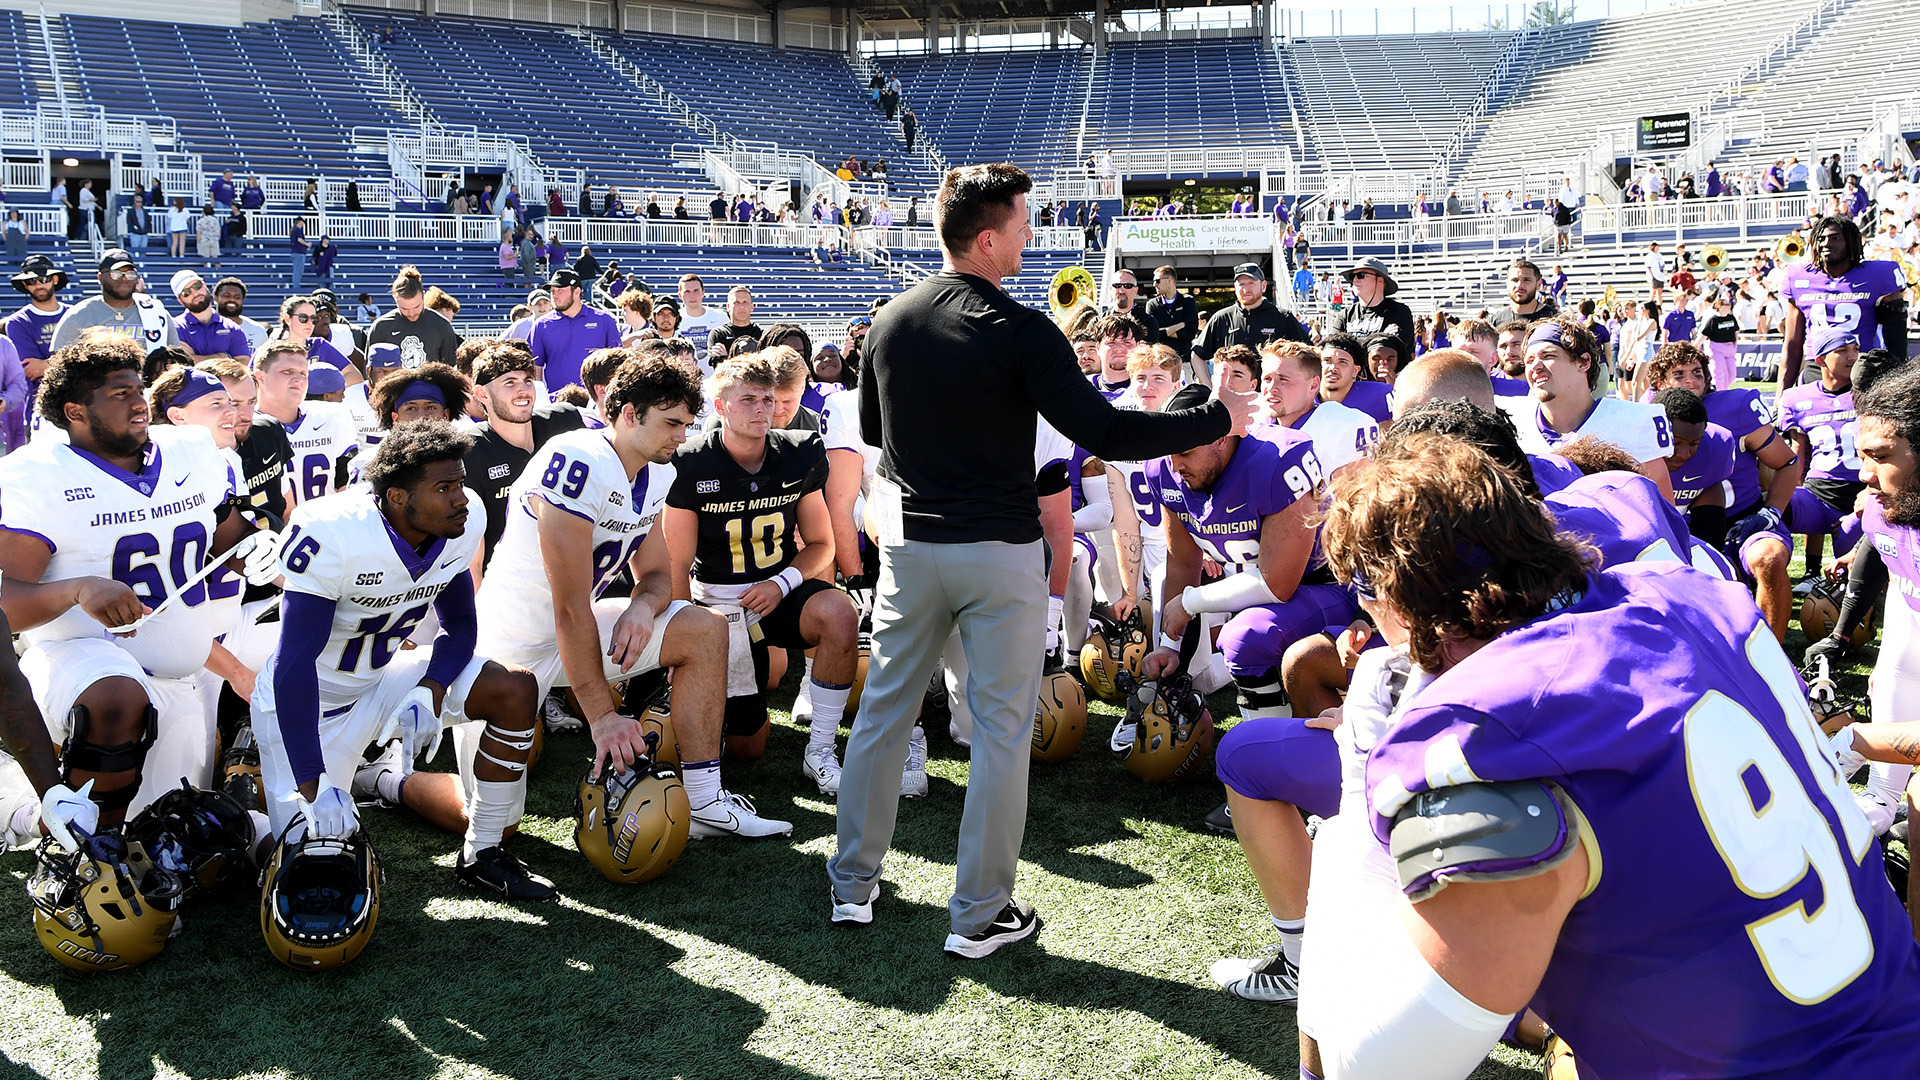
column 444, row 565
column 1234, row 509
column 791, row 483
column 180, row 481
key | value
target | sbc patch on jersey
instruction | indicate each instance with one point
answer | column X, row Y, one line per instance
column 707, row 487
column 499, row 472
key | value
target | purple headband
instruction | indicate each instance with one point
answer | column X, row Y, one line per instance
column 421, row 390
column 198, row 385
column 1551, row 333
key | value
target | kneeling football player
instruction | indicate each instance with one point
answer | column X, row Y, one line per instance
column 585, row 506
column 748, row 532
column 363, row 566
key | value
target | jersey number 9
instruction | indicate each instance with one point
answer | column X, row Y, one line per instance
column 569, row 485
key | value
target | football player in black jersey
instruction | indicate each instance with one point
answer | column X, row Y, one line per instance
column 516, row 427
column 748, row 530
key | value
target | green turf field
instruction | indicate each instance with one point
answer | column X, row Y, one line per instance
column 725, row 967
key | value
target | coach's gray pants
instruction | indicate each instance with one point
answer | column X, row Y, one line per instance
column 997, row 593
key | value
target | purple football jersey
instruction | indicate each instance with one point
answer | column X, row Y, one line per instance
column 1624, row 515
column 1845, row 302
column 1741, row 412
column 1108, row 390
column 1737, row 920
column 1710, row 466
column 1553, row 472
column 1899, row 548
column 1370, row 397
column 1271, row 469
column 1831, row 426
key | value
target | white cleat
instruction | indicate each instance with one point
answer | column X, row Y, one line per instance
column 554, row 712
column 913, row 781
column 366, row 778
column 733, row 815
column 822, row 766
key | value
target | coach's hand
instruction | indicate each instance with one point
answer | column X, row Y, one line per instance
column 631, row 633
column 619, row 737
column 1242, row 407
column 110, row 602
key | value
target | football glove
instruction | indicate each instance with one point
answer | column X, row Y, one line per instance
column 330, row 815
column 419, row 726
column 1844, row 754
column 62, row 807
column 1760, row 521
column 1830, row 648
column 260, row 552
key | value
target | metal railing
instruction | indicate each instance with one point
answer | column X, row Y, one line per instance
column 1516, row 60
column 1171, row 161
column 393, row 86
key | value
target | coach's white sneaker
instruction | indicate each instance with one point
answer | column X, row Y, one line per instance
column 1270, row 978
column 913, row 780
column 733, row 815
column 858, row 912
column 821, row 764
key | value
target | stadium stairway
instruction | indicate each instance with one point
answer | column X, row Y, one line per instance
column 1390, row 103
column 995, row 106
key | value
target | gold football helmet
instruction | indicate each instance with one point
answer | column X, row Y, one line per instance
column 1115, row 645
column 320, row 900
column 1060, row 720
column 240, row 771
column 1173, row 731
column 103, row 907
column 1820, row 613
column 633, row 827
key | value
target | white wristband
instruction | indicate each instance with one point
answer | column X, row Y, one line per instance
column 788, row 583
column 1168, row 641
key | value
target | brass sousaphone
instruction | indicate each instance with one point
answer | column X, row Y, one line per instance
column 1789, row 248
column 1714, row 259
column 1072, row 285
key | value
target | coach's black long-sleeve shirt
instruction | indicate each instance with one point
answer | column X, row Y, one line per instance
column 956, row 372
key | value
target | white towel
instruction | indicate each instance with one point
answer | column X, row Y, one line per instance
column 742, row 680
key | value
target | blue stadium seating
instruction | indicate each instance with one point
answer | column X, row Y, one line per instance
column 580, row 113
column 17, row 44
column 279, row 97
column 995, row 106
column 1221, row 93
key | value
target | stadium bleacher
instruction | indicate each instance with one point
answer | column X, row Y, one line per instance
column 1189, row 94
column 994, row 106
column 1389, row 102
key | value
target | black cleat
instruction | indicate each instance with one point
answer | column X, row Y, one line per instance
column 1220, row 820
column 495, row 870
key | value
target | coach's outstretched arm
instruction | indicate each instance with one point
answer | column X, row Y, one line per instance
column 1071, row 404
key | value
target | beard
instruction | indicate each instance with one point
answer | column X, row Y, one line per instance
column 1901, row 508
column 121, row 443
column 231, row 311
column 203, row 305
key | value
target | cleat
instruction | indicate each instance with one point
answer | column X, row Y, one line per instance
column 559, row 720
column 854, row 912
column 733, row 815
column 1016, row 922
column 913, row 780
column 366, row 778
column 1273, row 979
column 822, row 766
column 495, row 870
column 1220, row 820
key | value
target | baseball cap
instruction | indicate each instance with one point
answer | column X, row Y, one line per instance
column 563, row 279
column 324, row 378
column 325, row 298
column 182, row 279
column 1829, row 339
column 1251, row 270
column 538, row 295
column 116, row 258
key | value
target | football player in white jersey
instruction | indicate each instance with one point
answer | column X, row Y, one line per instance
column 322, row 433
column 362, row 568
column 96, row 531
column 1563, row 365
column 1139, row 531
column 1290, row 379
column 586, row 505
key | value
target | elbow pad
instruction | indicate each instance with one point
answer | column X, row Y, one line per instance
column 1098, row 513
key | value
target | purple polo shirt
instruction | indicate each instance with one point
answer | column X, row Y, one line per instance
column 1679, row 324
column 561, row 343
column 222, row 189
column 221, row 335
column 297, row 239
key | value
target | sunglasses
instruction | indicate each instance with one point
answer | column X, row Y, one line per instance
column 298, row 317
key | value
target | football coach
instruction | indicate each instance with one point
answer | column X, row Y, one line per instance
column 957, row 375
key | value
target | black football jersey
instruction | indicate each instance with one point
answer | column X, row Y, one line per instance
column 494, row 463
column 749, row 522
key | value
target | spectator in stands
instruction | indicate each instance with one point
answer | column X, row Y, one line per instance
column 1526, row 299
column 57, row 196
column 1639, row 337
column 530, row 254
column 364, row 312
column 1557, row 285
column 178, row 224
column 1655, row 265
column 486, row 199
column 140, row 223
column 586, row 266
column 204, row 333
column 230, row 298
column 889, row 101
column 222, row 191
column 1302, row 287
column 422, row 336
column 555, row 252
column 233, row 231
column 909, row 127
column 206, row 236
column 353, row 196
column 1096, row 229
column 297, row 247
column 563, row 337
column 324, row 253
column 155, row 198
column 509, row 256
column 1254, row 321
column 17, row 235
column 1796, row 174
column 253, row 196
column 557, row 208
column 539, row 302
column 310, row 197
column 1716, row 187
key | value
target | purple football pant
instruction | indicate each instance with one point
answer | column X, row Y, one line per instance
column 1254, row 640
column 1809, row 515
column 1281, row 759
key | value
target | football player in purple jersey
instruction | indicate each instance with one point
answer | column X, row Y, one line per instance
column 1739, row 925
column 1839, row 288
column 1343, row 378
column 1819, row 419
column 1701, row 462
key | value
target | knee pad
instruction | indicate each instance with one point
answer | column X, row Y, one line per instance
column 81, row 753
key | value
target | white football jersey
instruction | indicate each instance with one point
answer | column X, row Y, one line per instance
column 1639, row 428
column 321, row 435
column 840, row 424
column 366, row 422
column 339, row 547
column 1153, row 526
column 1341, row 435
column 153, row 531
column 581, row 473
